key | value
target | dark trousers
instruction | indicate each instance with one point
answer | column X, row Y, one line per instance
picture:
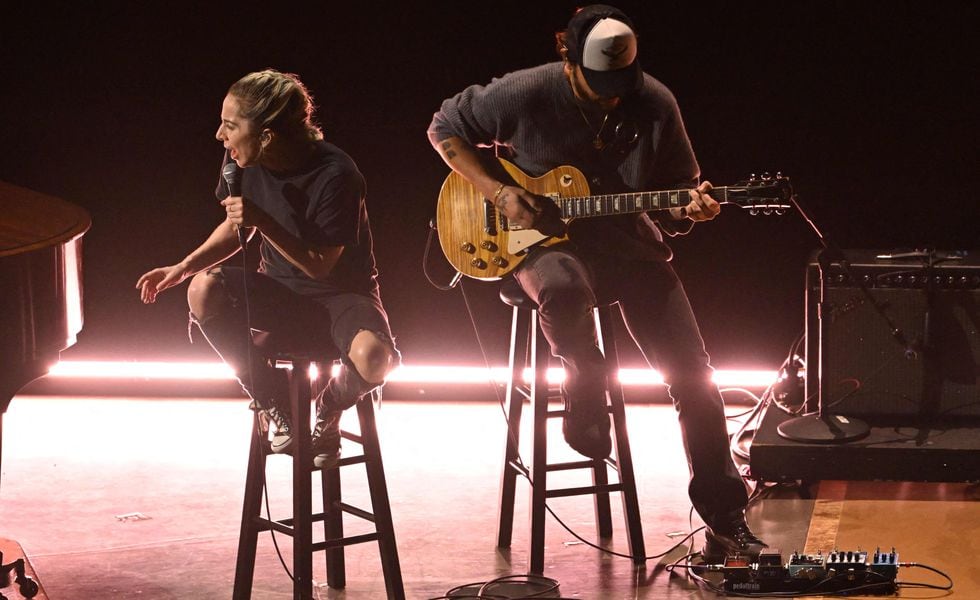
column 659, row 318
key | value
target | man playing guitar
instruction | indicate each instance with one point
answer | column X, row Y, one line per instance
column 596, row 110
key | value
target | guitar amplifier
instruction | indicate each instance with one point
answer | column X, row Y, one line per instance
column 920, row 359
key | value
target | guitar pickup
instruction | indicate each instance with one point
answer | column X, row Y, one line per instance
column 504, row 223
column 489, row 218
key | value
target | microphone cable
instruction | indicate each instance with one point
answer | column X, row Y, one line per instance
column 232, row 174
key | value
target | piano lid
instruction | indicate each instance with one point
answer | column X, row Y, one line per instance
column 31, row 220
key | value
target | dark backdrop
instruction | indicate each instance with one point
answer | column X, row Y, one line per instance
column 870, row 107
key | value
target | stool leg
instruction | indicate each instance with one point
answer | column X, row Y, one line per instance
column 631, row 505
column 603, row 508
column 299, row 398
column 539, row 448
column 624, row 456
column 380, row 504
column 515, row 408
column 600, row 475
column 333, row 527
column 251, row 509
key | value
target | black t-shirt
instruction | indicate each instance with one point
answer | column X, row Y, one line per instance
column 322, row 204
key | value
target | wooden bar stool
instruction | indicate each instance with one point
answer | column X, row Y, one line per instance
column 300, row 525
column 529, row 349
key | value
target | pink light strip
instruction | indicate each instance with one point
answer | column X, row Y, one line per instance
column 404, row 374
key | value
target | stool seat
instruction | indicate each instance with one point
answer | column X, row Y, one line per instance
column 528, row 350
column 282, row 347
column 512, row 294
column 300, row 525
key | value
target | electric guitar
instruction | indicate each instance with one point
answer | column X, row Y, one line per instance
column 481, row 243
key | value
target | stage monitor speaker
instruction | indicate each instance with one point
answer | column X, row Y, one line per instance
column 927, row 366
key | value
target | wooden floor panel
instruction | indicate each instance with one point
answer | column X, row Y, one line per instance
column 141, row 498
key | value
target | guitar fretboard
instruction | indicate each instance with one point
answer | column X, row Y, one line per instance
column 618, row 204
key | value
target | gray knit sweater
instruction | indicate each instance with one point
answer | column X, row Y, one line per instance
column 531, row 117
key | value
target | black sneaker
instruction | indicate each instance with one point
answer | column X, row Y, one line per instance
column 325, row 441
column 731, row 537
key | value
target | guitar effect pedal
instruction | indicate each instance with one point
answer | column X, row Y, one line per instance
column 836, row 572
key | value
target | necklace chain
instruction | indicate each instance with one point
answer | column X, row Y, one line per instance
column 597, row 141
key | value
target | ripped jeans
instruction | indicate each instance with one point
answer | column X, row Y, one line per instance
column 323, row 327
column 655, row 308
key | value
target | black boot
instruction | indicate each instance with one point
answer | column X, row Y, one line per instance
column 586, row 421
column 340, row 393
column 730, row 536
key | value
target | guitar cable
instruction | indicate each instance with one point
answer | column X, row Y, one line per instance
column 433, row 231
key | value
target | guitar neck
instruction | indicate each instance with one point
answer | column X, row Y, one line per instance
column 634, row 202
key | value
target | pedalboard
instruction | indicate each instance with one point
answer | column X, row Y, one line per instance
column 838, row 572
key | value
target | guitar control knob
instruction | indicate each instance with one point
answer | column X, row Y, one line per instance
column 488, row 245
column 478, row 263
column 499, row 261
column 467, row 247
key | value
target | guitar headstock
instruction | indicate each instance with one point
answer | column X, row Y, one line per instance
column 766, row 194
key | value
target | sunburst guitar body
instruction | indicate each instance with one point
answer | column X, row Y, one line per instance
column 481, row 243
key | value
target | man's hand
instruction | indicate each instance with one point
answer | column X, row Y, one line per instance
column 702, row 206
column 530, row 211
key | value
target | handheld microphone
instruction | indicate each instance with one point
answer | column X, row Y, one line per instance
column 233, row 179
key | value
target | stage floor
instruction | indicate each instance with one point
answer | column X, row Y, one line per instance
column 141, row 498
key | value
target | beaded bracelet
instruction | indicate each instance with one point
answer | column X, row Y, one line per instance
column 499, row 189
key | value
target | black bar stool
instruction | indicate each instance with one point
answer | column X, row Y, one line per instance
column 300, row 525
column 529, row 349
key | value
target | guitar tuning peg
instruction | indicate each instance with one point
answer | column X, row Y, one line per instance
column 780, row 212
column 753, row 211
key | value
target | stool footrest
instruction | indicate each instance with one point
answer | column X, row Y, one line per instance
column 524, row 390
column 344, row 461
column 263, row 524
column 571, row 466
column 519, row 468
column 582, row 491
column 357, row 512
column 285, row 526
column 346, row 541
